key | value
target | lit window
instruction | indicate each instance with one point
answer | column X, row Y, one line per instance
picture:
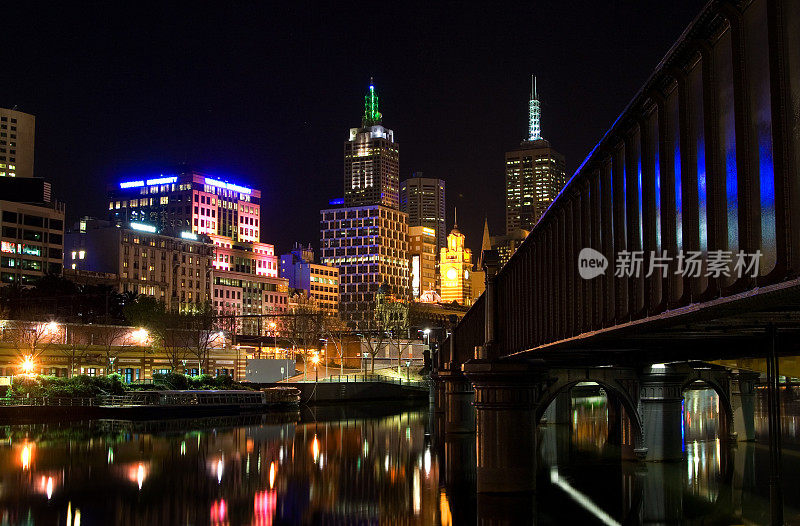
column 81, row 254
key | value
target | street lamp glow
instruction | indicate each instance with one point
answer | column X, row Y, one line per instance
column 28, row 365
column 51, row 328
column 141, row 335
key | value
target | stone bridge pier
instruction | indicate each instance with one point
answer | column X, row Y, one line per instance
column 646, row 402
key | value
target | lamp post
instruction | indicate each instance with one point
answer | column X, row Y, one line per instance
column 326, row 355
column 272, row 327
column 315, row 361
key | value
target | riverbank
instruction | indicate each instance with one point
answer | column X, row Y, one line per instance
column 314, row 393
column 330, row 394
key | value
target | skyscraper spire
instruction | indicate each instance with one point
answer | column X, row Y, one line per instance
column 371, row 114
column 486, row 242
column 455, row 218
column 534, row 114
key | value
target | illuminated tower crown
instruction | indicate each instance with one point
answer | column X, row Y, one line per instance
column 371, row 114
column 534, row 114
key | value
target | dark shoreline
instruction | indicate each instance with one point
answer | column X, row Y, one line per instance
column 325, row 411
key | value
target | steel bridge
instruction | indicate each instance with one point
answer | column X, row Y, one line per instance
column 697, row 183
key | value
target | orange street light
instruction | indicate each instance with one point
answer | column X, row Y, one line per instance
column 141, row 335
column 28, row 365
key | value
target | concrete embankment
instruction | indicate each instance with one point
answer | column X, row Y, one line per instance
column 344, row 392
column 21, row 413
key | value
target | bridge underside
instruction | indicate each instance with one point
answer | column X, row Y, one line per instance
column 726, row 328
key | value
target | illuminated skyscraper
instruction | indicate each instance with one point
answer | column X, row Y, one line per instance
column 423, row 199
column 369, row 246
column 534, row 174
column 367, row 238
column 371, row 160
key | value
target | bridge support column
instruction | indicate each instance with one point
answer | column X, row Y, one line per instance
column 505, row 397
column 560, row 410
column 458, row 402
column 743, row 403
column 437, row 396
column 661, row 399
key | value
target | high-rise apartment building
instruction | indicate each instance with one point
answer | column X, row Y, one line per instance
column 366, row 238
column 422, row 256
column 423, row 199
column 534, row 174
column 314, row 280
column 455, row 265
column 371, row 160
column 17, row 132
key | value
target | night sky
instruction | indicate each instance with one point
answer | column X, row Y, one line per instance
column 266, row 95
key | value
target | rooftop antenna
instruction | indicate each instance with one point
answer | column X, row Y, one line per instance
column 534, row 113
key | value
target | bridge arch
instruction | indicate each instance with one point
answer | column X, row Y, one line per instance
column 718, row 382
column 613, row 387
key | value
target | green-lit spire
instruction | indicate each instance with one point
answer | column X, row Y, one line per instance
column 371, row 114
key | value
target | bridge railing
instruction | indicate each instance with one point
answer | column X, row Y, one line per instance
column 702, row 163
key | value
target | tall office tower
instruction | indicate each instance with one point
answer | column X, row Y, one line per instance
column 534, row 174
column 422, row 198
column 371, row 160
column 366, row 237
column 17, row 132
column 369, row 246
column 455, row 265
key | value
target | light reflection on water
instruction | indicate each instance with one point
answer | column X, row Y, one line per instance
column 380, row 470
column 714, row 483
column 364, row 469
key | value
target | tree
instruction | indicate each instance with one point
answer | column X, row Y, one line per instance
column 374, row 336
column 31, row 339
column 201, row 333
column 335, row 331
column 113, row 341
column 395, row 318
column 303, row 326
column 76, row 348
column 166, row 328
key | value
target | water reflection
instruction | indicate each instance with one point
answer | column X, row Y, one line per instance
column 581, row 478
column 389, row 469
column 366, row 470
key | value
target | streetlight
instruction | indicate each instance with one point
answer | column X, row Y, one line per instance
column 27, row 366
column 326, row 355
column 315, row 361
column 272, row 327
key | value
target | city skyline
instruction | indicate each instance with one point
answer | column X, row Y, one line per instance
column 283, row 133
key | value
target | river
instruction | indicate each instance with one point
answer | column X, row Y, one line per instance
column 376, row 465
